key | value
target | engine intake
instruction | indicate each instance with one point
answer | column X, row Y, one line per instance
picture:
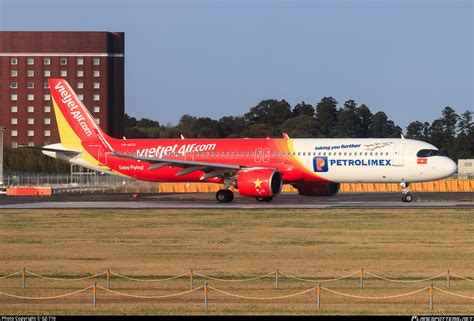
column 260, row 183
column 317, row 189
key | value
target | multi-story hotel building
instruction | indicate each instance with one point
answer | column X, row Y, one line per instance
column 93, row 64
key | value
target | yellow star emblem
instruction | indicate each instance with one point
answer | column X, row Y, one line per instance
column 258, row 183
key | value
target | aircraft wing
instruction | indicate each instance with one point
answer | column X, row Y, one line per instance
column 211, row 169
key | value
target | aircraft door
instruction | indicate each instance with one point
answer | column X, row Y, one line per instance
column 398, row 154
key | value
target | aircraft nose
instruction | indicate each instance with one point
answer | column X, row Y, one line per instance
column 450, row 167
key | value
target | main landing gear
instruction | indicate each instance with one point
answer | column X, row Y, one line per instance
column 406, row 197
column 224, row 196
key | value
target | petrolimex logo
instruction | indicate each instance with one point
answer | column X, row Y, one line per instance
column 320, row 164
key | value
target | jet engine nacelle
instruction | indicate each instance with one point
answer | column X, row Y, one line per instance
column 318, row 189
column 260, row 183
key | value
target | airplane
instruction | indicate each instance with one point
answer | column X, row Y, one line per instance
column 256, row 167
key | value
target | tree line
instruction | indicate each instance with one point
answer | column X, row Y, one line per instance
column 452, row 133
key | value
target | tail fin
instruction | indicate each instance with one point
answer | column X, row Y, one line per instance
column 75, row 123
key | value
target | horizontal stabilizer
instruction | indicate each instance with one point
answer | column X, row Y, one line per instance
column 46, row 149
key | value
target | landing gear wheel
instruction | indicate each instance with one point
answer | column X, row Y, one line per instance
column 264, row 199
column 407, row 198
column 224, row 196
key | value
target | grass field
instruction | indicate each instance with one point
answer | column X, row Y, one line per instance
column 408, row 244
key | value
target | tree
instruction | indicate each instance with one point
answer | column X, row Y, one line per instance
column 269, row 111
column 437, row 135
column 303, row 109
column 415, row 130
column 465, row 125
column 365, row 121
column 186, row 126
column 147, row 123
column 348, row 120
column 232, row 126
column 326, row 113
column 129, row 121
column 303, row 126
column 449, row 119
column 205, row 127
column 260, row 131
column 382, row 127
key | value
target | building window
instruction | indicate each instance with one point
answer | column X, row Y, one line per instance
column 47, row 109
column 80, row 85
column 14, row 61
column 14, row 133
column 30, row 61
column 97, row 85
column 31, row 133
column 47, row 73
column 47, row 97
column 14, row 73
column 96, row 97
column 47, row 133
column 96, row 109
column 63, row 73
column 30, row 85
column 31, row 144
column 14, row 109
column 63, row 61
column 80, row 73
column 96, row 73
column 31, row 97
column 31, row 109
column 97, row 120
column 31, row 73
column 14, row 121
column 80, row 61
column 81, row 97
column 30, row 121
column 13, row 85
column 96, row 61
column 14, row 145
column 47, row 121
column 46, row 85
column 47, row 61
column 14, row 97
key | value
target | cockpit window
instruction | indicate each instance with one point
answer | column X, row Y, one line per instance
column 428, row 153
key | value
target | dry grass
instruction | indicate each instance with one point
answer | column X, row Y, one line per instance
column 236, row 244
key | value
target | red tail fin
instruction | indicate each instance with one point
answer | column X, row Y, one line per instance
column 75, row 114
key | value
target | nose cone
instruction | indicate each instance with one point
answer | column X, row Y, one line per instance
column 449, row 167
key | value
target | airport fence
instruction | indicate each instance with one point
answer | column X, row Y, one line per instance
column 316, row 289
column 91, row 182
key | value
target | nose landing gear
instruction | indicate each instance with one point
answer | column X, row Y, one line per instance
column 406, row 197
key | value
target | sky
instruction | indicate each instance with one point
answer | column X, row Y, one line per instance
column 409, row 59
